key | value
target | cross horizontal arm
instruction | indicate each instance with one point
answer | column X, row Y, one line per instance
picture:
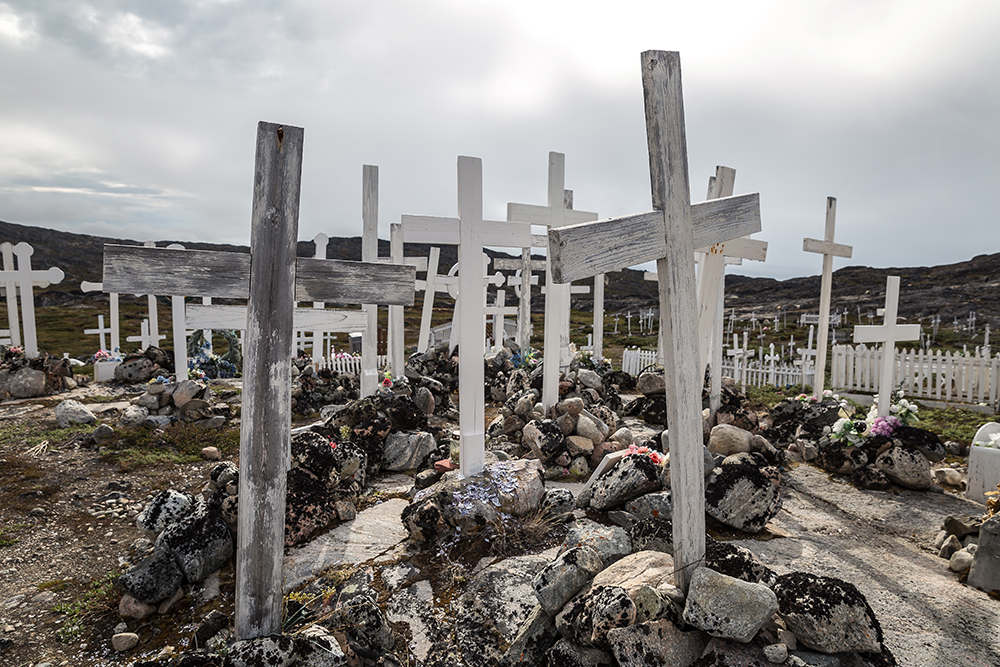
column 226, row 275
column 881, row 333
column 636, row 239
column 444, row 231
column 502, row 264
column 827, row 248
column 542, row 215
column 744, row 248
column 303, row 319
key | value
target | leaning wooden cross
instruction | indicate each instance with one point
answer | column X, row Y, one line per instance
column 829, row 250
column 669, row 234
column 889, row 333
column 272, row 279
column 472, row 234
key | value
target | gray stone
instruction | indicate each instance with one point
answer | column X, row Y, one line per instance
column 727, row 607
column 635, row 475
column 622, row 435
column 579, row 445
column 961, row 525
column 810, row 659
column 588, row 617
column 558, row 504
column 727, row 439
column 273, row 651
column 985, row 572
column 187, row 390
column 134, row 415
column 71, row 412
column 535, row 637
column 739, row 495
column 948, row 476
column 200, row 543
column 149, row 401
column 905, row 467
column 563, row 578
column 651, row 506
column 165, row 508
column 586, row 427
column 610, row 542
column 589, row 378
column 962, row 559
column 827, row 614
column 152, row 579
column 129, row 607
column 567, row 654
column 26, row 383
column 124, row 641
column 318, row 648
column 949, row 547
column 651, row 384
column 655, row 643
column 425, row 400
column 407, row 451
column 776, row 653
column 139, row 369
column 571, row 406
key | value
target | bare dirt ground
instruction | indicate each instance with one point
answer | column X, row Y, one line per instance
column 54, row 547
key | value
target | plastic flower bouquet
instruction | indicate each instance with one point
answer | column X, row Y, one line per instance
column 850, row 431
column 654, row 455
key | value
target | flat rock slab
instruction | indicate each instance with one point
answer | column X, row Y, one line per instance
column 883, row 544
column 375, row 534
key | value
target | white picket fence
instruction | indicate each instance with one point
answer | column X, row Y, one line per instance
column 753, row 373
column 938, row 375
column 349, row 363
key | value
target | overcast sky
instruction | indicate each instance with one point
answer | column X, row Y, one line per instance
column 137, row 119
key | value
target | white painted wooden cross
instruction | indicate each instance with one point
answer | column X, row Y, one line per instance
column 99, row 331
column 771, row 359
column 116, row 343
column 740, row 356
column 558, row 213
column 669, row 234
column 472, row 234
column 396, row 339
column 272, row 282
column 429, row 286
column 829, row 250
column 145, row 337
column 808, row 352
column 498, row 310
column 522, row 281
column 451, row 282
column 889, row 333
column 22, row 280
column 320, row 241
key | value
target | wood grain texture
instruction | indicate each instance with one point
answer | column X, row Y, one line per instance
column 265, row 429
column 825, row 248
column 668, row 168
column 347, row 282
column 445, row 231
column 613, row 244
column 215, row 317
column 142, row 270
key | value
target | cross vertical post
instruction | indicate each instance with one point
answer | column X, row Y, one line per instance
column 598, row 344
column 265, row 432
column 318, row 353
column 395, row 338
column 887, row 334
column 13, row 321
column 369, row 253
column 430, row 287
column 829, row 250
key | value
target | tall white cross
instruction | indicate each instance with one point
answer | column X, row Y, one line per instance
column 889, row 333
column 23, row 280
column 829, row 250
column 471, row 234
column 321, row 240
column 669, row 234
column 522, row 282
column 116, row 343
column 396, row 340
column 557, row 299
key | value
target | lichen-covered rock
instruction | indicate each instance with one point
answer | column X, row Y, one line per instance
column 270, row 651
column 558, row 504
column 610, row 542
column 493, row 607
column 354, row 413
column 152, row 579
column 166, row 507
column 359, row 615
column 924, row 441
column 651, row 384
column 545, row 439
column 563, row 578
column 723, row 653
column 738, row 562
column 634, row 476
column 727, row 607
column 370, row 437
column 655, row 643
column 827, row 614
column 905, row 467
column 308, row 506
column 408, row 451
column 200, row 543
column 738, row 494
column 586, row 619
column 565, row 653
column 651, row 506
column 652, row 534
column 403, row 412
column 870, row 478
column 535, row 637
column 315, row 454
column 71, row 412
column 137, row 369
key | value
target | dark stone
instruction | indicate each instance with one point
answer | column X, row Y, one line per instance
column 652, row 534
column 200, row 543
column 925, row 442
column 961, row 525
column 621, row 379
column 739, row 495
column 210, row 626
column 308, row 506
column 152, row 579
column 635, row 475
column 313, row 452
column 426, row 478
column 403, row 413
column 870, row 478
column 738, row 562
column 369, row 436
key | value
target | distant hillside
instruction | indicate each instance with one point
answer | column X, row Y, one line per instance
column 950, row 291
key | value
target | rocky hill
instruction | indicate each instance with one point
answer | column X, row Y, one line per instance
column 951, row 290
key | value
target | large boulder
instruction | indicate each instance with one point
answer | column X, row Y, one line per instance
column 738, row 494
column 727, row 607
column 166, row 507
column 408, row 450
column 635, row 475
column 200, row 543
column 905, row 467
column 827, row 614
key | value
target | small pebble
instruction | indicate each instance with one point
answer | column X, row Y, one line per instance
column 124, row 641
column 211, row 453
column 776, row 653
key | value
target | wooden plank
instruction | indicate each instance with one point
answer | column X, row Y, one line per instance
column 827, row 248
column 304, row 319
column 744, row 248
column 265, row 430
column 542, row 215
column 172, row 271
column 437, row 230
column 629, row 240
column 347, row 282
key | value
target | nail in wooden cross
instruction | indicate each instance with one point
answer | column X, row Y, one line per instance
column 472, row 234
column 557, row 298
column 829, row 250
column 272, row 279
column 668, row 234
column 889, row 333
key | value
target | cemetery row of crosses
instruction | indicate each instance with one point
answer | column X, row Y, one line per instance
column 623, row 475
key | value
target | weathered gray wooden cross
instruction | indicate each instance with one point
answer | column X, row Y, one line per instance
column 669, row 234
column 557, row 298
column 272, row 278
column 888, row 333
column 829, row 250
column 471, row 234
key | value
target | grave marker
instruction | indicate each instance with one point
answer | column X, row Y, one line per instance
column 669, row 234
column 272, row 282
column 522, row 281
column 807, row 353
column 889, row 333
column 99, row 331
column 829, row 250
column 557, row 297
column 472, row 234
column 85, row 287
column 22, row 280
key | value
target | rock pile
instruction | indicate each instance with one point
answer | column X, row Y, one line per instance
column 21, row 377
column 164, row 402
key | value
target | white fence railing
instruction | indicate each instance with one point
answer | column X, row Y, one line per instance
column 753, row 373
column 348, row 363
column 939, row 375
